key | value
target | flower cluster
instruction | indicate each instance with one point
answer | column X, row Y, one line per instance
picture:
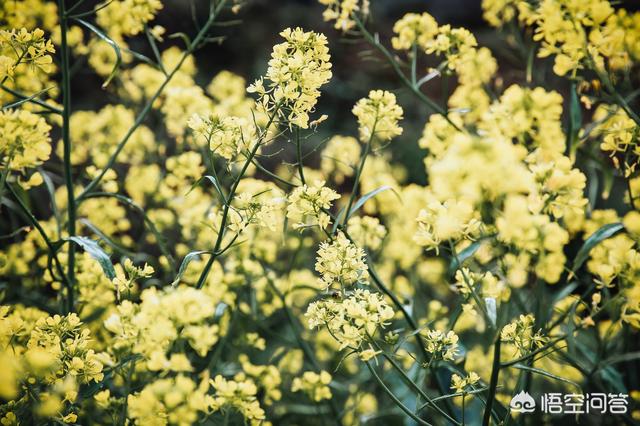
column 449, row 221
column 414, row 29
column 225, row 137
column 579, row 35
column 341, row 262
column 461, row 385
column 308, row 205
column 162, row 318
column 297, row 69
column 378, row 116
column 440, row 345
column 367, row 231
column 153, row 270
column 25, row 139
column 128, row 17
column 24, row 47
column 174, row 401
column 237, row 395
column 342, row 12
column 620, row 137
column 351, row 320
column 521, row 335
column 48, row 356
column 313, row 384
column 340, row 157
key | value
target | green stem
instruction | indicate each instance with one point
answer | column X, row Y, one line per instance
column 414, row 64
column 493, row 383
column 533, row 353
column 306, row 349
column 385, row 52
column 363, row 159
column 66, row 141
column 32, row 99
column 52, row 250
column 395, row 398
column 417, row 388
column 148, row 106
column 299, row 154
column 407, row 316
column 227, row 204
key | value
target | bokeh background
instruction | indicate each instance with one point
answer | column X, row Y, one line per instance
column 250, row 35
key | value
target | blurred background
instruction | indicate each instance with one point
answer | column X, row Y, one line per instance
column 250, row 35
column 356, row 69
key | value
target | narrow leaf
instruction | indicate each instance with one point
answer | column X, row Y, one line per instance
column 458, row 260
column 104, row 237
column 366, row 197
column 546, row 374
column 111, row 43
column 96, row 252
column 185, row 262
column 215, row 183
column 600, row 235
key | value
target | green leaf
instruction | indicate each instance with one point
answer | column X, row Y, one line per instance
column 110, row 242
column 575, row 120
column 600, row 235
column 546, row 374
column 111, row 43
column 215, row 183
column 161, row 240
column 564, row 292
column 337, row 221
column 366, row 197
column 185, row 262
column 459, row 259
column 613, row 378
column 96, row 252
column 492, row 310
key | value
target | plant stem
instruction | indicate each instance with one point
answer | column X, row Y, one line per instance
column 148, row 106
column 227, row 204
column 66, row 141
column 299, row 154
column 395, row 398
column 32, row 99
column 306, row 349
column 493, row 383
column 52, row 250
column 417, row 388
column 363, row 159
column 425, row 99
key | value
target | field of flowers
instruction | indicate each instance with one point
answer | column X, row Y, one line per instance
column 196, row 252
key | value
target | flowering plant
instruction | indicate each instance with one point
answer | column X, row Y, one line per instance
column 161, row 263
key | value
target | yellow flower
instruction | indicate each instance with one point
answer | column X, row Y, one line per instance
column 414, row 28
column 460, row 384
column 352, row 319
column 127, row 17
column 307, row 205
column 521, row 335
column 29, row 47
column 314, row 385
column 341, row 11
column 24, row 139
column 240, row 395
column 441, row 345
column 341, row 262
column 297, row 69
column 440, row 222
column 340, row 157
column 378, row 116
